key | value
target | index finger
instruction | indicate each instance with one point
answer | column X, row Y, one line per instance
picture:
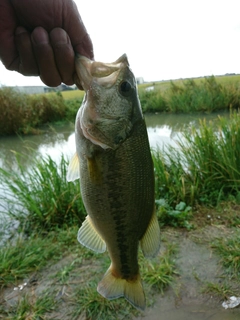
column 77, row 32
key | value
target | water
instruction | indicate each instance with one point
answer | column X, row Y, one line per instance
column 162, row 129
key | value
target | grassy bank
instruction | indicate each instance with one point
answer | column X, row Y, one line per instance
column 24, row 114
column 203, row 170
column 43, row 252
column 205, row 95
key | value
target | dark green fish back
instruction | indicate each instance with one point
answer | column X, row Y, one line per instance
column 117, row 187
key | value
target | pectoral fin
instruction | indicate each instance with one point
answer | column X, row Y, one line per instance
column 73, row 169
column 89, row 237
column 150, row 242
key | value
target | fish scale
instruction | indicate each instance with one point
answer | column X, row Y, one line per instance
column 116, row 176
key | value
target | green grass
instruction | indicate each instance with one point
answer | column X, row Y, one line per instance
column 27, row 114
column 30, row 307
column 205, row 168
column 229, row 251
column 156, row 275
column 89, row 304
column 160, row 272
column 227, row 80
column 28, row 255
column 201, row 95
column 28, row 258
column 42, row 197
column 220, row 290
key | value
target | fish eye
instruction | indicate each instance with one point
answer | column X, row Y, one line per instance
column 125, row 88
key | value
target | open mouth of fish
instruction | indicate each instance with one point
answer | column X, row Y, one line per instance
column 95, row 77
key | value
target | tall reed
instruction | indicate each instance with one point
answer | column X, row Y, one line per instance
column 40, row 197
column 206, row 166
column 188, row 96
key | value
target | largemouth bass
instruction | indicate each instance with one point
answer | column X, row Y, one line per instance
column 114, row 164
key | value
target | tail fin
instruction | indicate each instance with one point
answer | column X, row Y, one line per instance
column 111, row 287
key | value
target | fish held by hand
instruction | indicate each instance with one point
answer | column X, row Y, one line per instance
column 114, row 164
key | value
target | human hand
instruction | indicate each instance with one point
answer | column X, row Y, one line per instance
column 41, row 37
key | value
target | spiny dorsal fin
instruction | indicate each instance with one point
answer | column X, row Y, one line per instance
column 111, row 287
column 73, row 169
column 89, row 237
column 150, row 242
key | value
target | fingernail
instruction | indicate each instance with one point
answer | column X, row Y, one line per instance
column 40, row 36
column 59, row 36
column 20, row 30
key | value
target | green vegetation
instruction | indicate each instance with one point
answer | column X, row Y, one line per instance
column 49, row 210
column 25, row 261
column 23, row 114
column 26, row 114
column 177, row 217
column 221, row 290
column 159, row 272
column 229, row 250
column 29, row 307
column 28, row 255
column 205, row 168
column 207, row 95
column 43, row 199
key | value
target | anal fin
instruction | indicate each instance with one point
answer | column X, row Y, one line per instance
column 150, row 242
column 89, row 237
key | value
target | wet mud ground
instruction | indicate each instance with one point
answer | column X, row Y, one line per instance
column 197, row 265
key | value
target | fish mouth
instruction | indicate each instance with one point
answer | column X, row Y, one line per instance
column 104, row 74
column 94, row 77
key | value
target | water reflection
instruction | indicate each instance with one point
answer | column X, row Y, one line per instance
column 162, row 129
column 54, row 142
column 166, row 129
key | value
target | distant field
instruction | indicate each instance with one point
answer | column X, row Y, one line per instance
column 72, row 94
column 163, row 85
column 160, row 85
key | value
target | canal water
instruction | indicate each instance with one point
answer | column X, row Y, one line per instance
column 163, row 129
